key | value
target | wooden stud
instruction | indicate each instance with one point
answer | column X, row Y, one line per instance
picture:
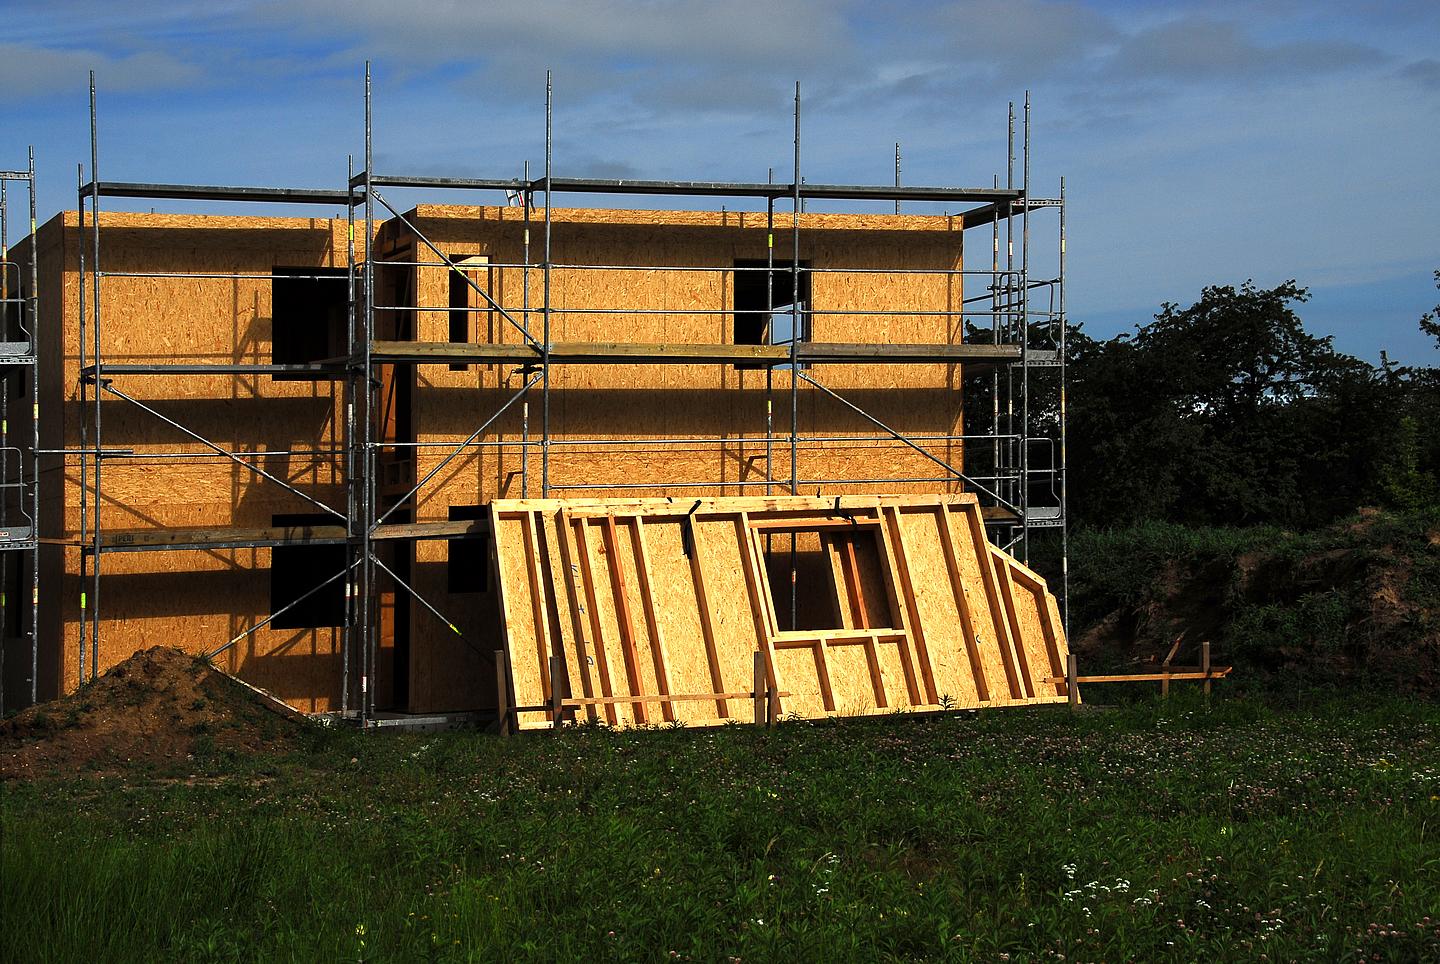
column 502, row 692
column 587, row 575
column 957, row 586
column 760, row 694
column 1165, row 666
column 707, row 626
column 540, row 610
column 822, row 673
column 1205, row 665
column 765, row 626
column 626, row 620
column 658, row 652
column 1072, row 683
column 895, row 546
column 1012, row 617
column 557, row 691
column 581, row 607
column 997, row 607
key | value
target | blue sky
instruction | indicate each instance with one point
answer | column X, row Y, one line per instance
column 1202, row 143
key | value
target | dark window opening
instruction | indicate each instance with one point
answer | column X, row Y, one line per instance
column 462, row 300
column 468, row 568
column 296, row 569
column 838, row 582
column 309, row 310
column 763, row 302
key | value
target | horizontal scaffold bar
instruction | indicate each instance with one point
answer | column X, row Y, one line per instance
column 602, row 353
column 225, row 537
column 586, row 185
column 210, row 192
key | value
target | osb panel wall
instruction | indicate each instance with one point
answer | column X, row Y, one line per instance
column 196, row 600
column 645, row 598
column 663, row 402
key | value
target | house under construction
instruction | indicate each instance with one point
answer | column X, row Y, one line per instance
column 558, row 462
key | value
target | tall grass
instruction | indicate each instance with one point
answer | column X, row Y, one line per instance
column 1162, row 831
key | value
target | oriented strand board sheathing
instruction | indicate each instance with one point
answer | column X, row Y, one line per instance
column 658, row 607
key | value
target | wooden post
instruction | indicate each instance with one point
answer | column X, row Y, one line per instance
column 1165, row 667
column 1072, row 687
column 761, row 693
column 557, row 691
column 1205, row 665
column 502, row 692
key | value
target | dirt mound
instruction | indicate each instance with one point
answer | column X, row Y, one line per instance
column 160, row 707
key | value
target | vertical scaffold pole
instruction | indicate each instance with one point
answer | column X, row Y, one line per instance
column 1064, row 452
column 527, row 198
column 897, row 174
column 545, row 317
column 795, row 323
column 34, row 305
column 769, row 335
column 1025, row 347
column 5, row 412
column 367, row 570
column 84, row 425
column 347, row 639
column 99, row 378
column 1010, row 455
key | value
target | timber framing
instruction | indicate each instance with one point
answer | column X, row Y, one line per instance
column 655, row 610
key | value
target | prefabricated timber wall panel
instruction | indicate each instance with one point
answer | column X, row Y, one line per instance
column 657, row 607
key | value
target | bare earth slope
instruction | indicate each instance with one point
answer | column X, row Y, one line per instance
column 159, row 707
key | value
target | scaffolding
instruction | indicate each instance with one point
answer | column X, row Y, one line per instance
column 1016, row 327
column 19, row 467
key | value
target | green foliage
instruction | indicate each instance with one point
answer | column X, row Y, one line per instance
column 1163, row 831
column 1430, row 321
column 1229, row 412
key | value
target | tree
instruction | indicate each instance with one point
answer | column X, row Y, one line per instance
column 1430, row 321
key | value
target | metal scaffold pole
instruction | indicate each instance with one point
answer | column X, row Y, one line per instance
column 1025, row 346
column 34, row 384
column 347, row 639
column 369, row 642
column 84, row 424
column 97, row 363
column 1064, row 467
column 545, row 311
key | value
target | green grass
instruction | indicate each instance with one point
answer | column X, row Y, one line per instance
column 1157, row 832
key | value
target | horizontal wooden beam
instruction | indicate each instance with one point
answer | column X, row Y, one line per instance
column 1216, row 672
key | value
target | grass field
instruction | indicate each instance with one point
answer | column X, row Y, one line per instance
column 1154, row 832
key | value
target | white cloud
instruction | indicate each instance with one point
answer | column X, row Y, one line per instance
column 29, row 71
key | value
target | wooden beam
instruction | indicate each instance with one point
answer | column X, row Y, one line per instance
column 1001, row 562
column 997, row 606
column 707, row 626
column 901, row 588
column 587, row 574
column 659, row 656
column 539, row 609
column 624, row 617
column 950, row 543
column 570, row 563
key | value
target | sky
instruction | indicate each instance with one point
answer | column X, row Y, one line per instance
column 1201, row 143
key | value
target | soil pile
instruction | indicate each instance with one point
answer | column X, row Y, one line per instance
column 159, row 707
column 1359, row 603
